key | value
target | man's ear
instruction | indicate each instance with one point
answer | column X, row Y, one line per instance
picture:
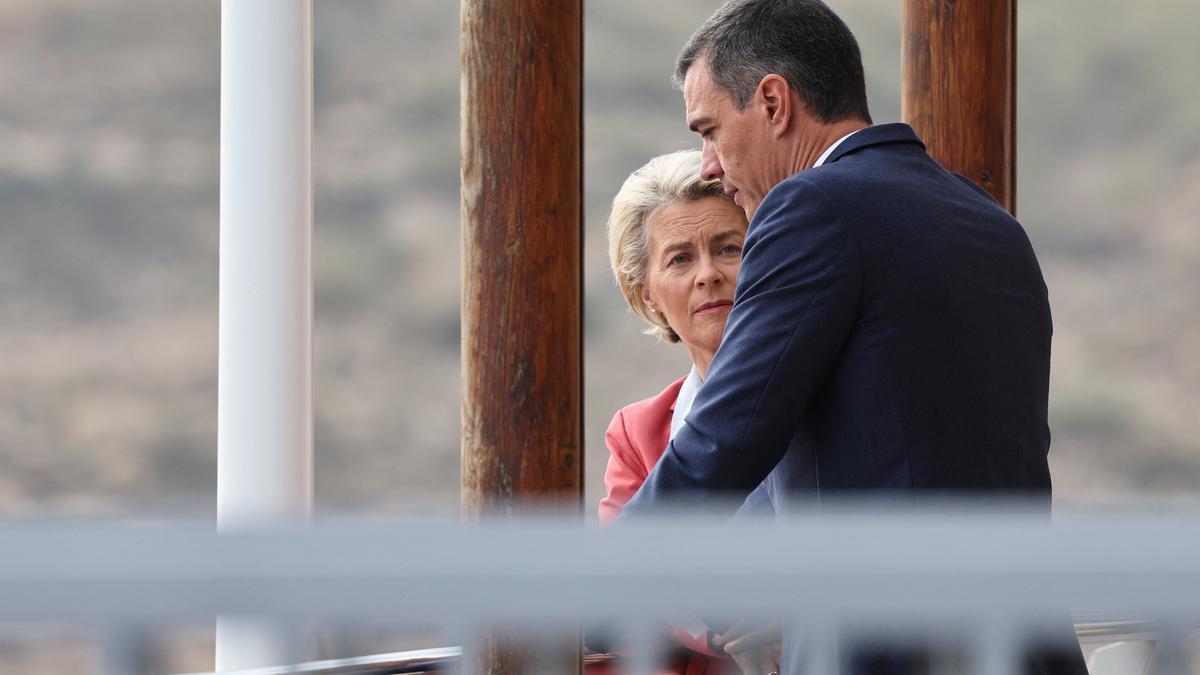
column 774, row 98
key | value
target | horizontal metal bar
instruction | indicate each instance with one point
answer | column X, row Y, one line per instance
column 1116, row 631
column 395, row 663
column 417, row 661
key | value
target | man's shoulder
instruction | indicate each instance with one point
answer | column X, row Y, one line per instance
column 798, row 195
column 834, row 185
column 808, row 180
column 870, row 159
column 878, row 179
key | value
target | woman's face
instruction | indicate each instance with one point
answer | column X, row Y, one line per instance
column 695, row 252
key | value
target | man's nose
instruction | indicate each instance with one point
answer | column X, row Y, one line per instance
column 710, row 165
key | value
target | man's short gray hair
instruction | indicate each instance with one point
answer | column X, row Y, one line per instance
column 803, row 41
column 662, row 181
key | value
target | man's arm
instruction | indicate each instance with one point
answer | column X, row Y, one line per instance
column 798, row 295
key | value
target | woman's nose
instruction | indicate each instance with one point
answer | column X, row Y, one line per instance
column 709, row 273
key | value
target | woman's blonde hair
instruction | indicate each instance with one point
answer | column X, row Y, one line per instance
column 663, row 180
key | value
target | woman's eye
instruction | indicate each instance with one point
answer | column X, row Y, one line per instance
column 678, row 260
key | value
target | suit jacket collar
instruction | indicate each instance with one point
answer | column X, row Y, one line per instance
column 876, row 135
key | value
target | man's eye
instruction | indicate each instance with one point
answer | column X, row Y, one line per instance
column 731, row 249
column 707, row 133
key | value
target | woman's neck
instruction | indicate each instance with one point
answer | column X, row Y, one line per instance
column 701, row 358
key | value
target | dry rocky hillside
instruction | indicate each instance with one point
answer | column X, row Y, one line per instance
column 108, row 243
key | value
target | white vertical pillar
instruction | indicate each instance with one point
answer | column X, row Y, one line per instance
column 264, row 436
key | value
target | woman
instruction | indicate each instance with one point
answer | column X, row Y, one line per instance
column 675, row 244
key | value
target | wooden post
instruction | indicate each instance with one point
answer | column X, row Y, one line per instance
column 958, row 89
column 522, row 379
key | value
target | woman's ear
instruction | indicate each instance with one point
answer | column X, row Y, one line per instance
column 646, row 299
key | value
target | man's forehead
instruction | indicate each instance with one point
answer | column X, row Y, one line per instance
column 696, row 92
column 697, row 82
column 701, row 95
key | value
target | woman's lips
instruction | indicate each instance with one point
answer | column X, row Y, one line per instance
column 714, row 306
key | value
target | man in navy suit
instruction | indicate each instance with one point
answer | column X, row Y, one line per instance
column 890, row 332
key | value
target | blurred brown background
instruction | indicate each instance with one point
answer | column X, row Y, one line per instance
column 108, row 248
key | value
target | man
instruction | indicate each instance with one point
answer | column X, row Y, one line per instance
column 891, row 330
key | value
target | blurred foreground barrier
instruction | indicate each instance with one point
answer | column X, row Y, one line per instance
column 993, row 579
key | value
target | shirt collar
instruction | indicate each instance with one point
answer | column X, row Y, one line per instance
column 683, row 402
column 829, row 151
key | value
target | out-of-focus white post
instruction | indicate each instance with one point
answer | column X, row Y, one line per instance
column 264, row 437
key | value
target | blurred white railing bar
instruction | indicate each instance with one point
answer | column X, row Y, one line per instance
column 975, row 574
column 264, row 437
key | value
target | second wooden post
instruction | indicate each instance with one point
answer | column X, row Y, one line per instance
column 958, row 88
column 522, row 348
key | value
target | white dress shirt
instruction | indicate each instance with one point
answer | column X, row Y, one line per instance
column 683, row 403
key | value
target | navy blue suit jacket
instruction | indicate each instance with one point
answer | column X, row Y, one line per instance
column 890, row 334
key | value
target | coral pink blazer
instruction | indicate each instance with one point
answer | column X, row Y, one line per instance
column 636, row 438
